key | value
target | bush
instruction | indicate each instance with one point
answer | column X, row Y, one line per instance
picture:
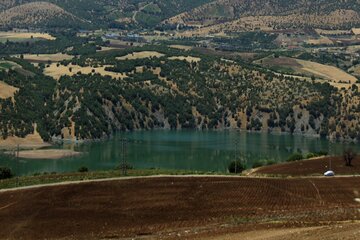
column 316, row 154
column 295, row 157
column 127, row 167
column 311, row 155
column 258, row 164
column 236, row 167
column 322, row 153
column 270, row 162
column 83, row 169
column 349, row 156
column 5, row 173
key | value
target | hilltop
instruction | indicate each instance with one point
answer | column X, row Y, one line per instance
column 91, row 14
column 272, row 14
column 136, row 14
column 36, row 14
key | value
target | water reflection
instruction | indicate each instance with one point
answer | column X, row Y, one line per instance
column 190, row 150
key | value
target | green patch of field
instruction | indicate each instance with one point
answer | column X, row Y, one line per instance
column 6, row 65
column 152, row 8
column 282, row 69
column 147, row 20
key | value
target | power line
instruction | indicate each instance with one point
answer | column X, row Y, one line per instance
column 123, row 164
column 236, row 154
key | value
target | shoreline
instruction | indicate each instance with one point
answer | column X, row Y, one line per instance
column 46, row 154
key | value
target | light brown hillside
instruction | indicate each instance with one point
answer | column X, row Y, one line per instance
column 272, row 14
column 336, row 18
column 32, row 13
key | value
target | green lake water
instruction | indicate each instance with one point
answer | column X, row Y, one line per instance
column 183, row 150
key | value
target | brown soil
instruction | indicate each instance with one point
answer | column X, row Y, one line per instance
column 311, row 167
column 177, row 208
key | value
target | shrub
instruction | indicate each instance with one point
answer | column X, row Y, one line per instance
column 5, row 173
column 270, row 162
column 316, row 154
column 311, row 155
column 295, row 157
column 349, row 156
column 258, row 164
column 263, row 163
column 127, row 166
column 322, row 153
column 236, row 167
column 83, row 169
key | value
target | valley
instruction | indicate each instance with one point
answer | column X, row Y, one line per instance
column 152, row 68
column 179, row 119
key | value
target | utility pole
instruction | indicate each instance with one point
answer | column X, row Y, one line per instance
column 236, row 153
column 123, row 156
column 17, row 164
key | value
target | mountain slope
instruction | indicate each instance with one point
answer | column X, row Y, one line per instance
column 291, row 12
column 97, row 13
column 37, row 14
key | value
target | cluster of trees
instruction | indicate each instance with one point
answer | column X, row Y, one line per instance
column 247, row 41
column 205, row 94
column 64, row 41
column 32, row 104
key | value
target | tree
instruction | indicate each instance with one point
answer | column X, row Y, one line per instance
column 349, row 156
column 236, row 167
column 5, row 173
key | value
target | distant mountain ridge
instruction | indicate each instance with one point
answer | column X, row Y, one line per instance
column 36, row 14
column 145, row 13
column 90, row 13
column 305, row 12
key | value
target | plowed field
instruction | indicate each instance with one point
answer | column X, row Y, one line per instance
column 311, row 167
column 176, row 207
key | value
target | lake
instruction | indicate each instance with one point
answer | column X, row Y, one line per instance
column 184, row 150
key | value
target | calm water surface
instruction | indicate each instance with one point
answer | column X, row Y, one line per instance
column 185, row 150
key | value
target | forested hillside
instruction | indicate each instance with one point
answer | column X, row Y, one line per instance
column 199, row 92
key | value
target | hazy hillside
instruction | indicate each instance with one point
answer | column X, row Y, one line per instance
column 95, row 13
column 145, row 13
column 37, row 14
column 305, row 12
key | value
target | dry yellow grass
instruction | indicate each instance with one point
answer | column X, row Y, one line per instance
column 57, row 71
column 48, row 154
column 187, row 58
column 7, row 91
column 356, row 31
column 331, row 32
column 181, row 47
column 47, row 57
column 30, row 141
column 267, row 23
column 25, row 35
column 141, row 55
column 319, row 41
column 336, row 75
